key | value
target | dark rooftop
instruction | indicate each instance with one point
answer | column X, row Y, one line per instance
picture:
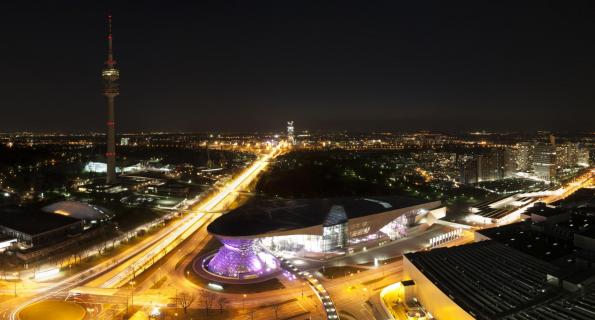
column 523, row 236
column 261, row 216
column 543, row 210
column 581, row 197
column 581, row 307
column 32, row 221
column 486, row 279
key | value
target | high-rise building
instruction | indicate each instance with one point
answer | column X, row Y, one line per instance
column 110, row 75
column 567, row 155
column 583, row 157
column 469, row 171
column 510, row 161
column 524, row 156
column 487, row 167
column 544, row 162
column 290, row 134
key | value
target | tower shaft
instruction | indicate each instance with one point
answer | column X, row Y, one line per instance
column 111, row 141
column 110, row 75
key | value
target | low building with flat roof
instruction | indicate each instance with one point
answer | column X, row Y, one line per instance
column 79, row 210
column 32, row 227
column 543, row 268
column 483, row 280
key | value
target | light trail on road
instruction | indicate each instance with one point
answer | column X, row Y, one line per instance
column 190, row 224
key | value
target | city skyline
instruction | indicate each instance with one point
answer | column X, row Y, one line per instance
column 252, row 67
column 297, row 160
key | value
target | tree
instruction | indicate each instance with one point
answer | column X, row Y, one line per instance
column 2, row 268
column 185, row 299
column 276, row 309
column 207, row 298
column 222, row 301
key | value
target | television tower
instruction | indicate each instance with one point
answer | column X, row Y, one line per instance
column 110, row 75
column 290, row 136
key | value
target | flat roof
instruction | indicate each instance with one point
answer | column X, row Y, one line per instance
column 532, row 241
column 32, row 221
column 583, row 196
column 260, row 216
column 486, row 279
column 541, row 209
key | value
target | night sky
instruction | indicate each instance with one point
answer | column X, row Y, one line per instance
column 329, row 65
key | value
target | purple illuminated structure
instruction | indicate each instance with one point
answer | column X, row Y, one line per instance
column 242, row 259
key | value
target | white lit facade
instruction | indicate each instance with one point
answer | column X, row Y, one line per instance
column 341, row 237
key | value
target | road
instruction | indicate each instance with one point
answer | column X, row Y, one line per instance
column 350, row 295
column 119, row 270
column 585, row 180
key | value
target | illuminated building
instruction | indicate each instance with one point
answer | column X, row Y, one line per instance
column 483, row 280
column 501, row 210
column 544, row 162
column 495, row 165
column 290, row 133
column 583, row 157
column 314, row 228
column 470, row 171
column 510, row 162
column 110, row 75
column 34, row 227
column 530, row 270
column 88, row 213
column 524, row 156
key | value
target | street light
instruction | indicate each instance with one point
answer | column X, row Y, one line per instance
column 243, row 301
column 132, row 295
column 303, row 285
column 155, row 312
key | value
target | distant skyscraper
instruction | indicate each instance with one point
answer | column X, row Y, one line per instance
column 567, row 155
column 494, row 165
column 544, row 162
column 110, row 75
column 469, row 171
column 524, row 156
column 510, row 161
column 290, row 135
column 583, row 157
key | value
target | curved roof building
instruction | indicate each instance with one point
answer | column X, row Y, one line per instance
column 311, row 227
column 78, row 210
column 261, row 218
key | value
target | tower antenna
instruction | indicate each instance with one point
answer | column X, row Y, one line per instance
column 110, row 54
column 111, row 89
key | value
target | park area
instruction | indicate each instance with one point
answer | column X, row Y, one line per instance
column 53, row 309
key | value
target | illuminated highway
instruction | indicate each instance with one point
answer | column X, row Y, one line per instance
column 582, row 181
column 191, row 223
column 126, row 266
column 350, row 294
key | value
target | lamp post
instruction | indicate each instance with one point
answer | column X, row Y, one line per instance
column 243, row 301
column 132, row 295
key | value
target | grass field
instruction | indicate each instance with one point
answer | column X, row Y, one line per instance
column 53, row 309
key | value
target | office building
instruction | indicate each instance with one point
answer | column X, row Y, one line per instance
column 544, row 162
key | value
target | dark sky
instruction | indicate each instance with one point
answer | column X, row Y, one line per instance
column 328, row 65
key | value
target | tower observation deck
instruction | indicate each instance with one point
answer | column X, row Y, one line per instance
column 110, row 75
